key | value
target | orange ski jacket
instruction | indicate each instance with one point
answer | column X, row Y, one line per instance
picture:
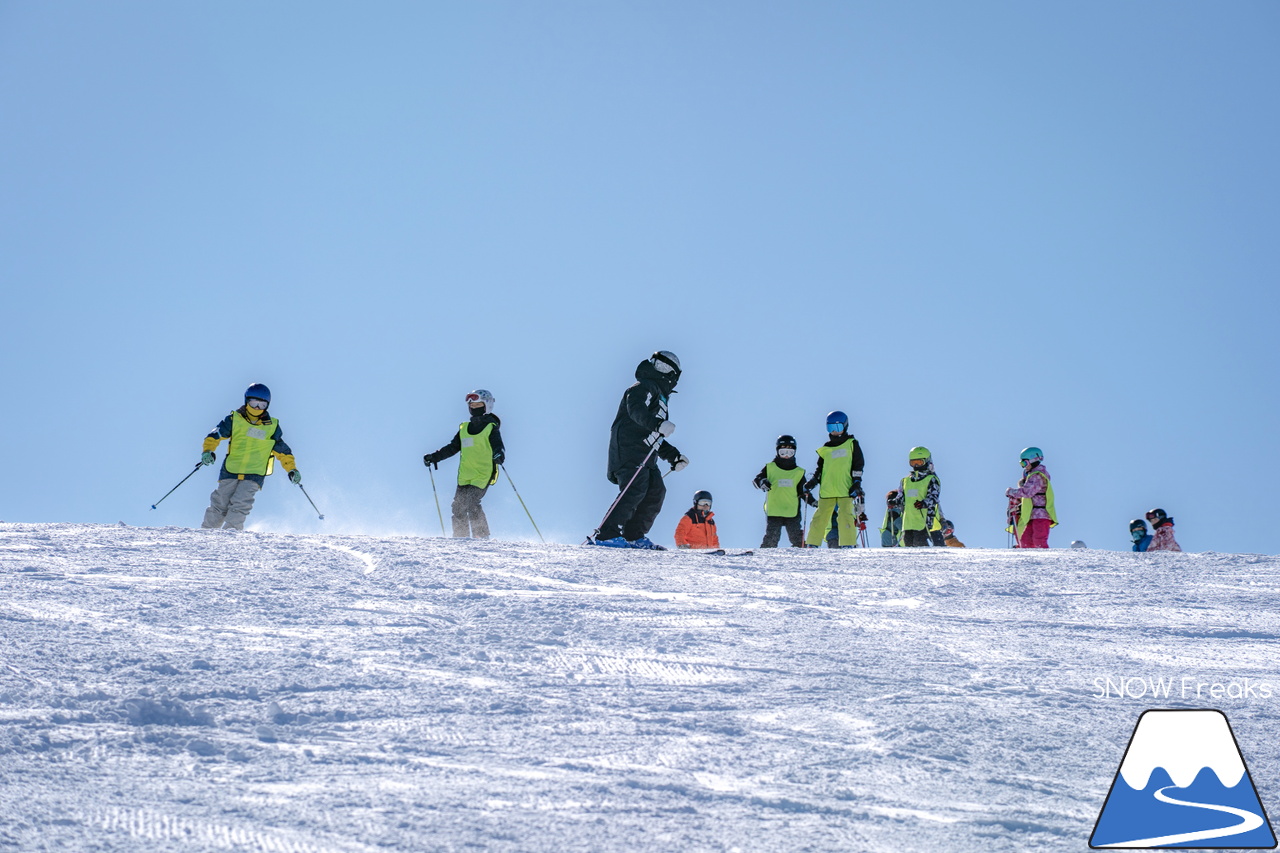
column 697, row 530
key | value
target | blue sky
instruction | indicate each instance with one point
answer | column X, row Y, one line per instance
column 970, row 226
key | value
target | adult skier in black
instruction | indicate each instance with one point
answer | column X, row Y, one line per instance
column 639, row 433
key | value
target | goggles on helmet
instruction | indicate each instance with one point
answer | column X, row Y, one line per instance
column 835, row 427
column 703, row 504
column 919, row 464
column 786, row 452
column 255, row 403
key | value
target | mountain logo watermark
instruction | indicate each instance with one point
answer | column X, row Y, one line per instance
column 1183, row 783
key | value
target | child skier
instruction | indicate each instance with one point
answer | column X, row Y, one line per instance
column 697, row 527
column 782, row 481
column 256, row 441
column 1162, row 532
column 920, row 492
column 839, row 475
column 1034, row 494
column 479, row 441
column 1138, row 533
column 891, row 529
column 949, row 537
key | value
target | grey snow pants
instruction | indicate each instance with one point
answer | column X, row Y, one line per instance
column 230, row 504
column 468, row 516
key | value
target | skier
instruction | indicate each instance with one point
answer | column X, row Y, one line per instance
column 920, row 492
column 640, row 431
column 839, row 476
column 891, row 529
column 1034, row 494
column 1162, row 532
column 697, row 527
column 256, row 441
column 479, row 440
column 782, row 481
column 1138, row 533
column 949, row 537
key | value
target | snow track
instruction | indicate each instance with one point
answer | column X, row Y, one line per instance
column 212, row 690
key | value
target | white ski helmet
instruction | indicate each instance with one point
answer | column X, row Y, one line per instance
column 481, row 396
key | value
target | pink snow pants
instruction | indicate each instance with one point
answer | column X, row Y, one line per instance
column 1035, row 534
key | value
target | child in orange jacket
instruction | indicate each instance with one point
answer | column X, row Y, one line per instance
column 697, row 527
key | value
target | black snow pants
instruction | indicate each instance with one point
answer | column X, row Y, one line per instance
column 639, row 506
column 915, row 538
column 468, row 516
column 773, row 525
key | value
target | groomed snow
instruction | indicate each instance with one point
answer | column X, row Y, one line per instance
column 166, row 689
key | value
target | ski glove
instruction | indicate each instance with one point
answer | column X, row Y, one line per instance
column 681, row 463
column 499, row 458
column 430, row 460
column 856, row 490
column 919, row 504
column 764, row 485
column 295, row 477
column 666, row 429
column 207, row 458
column 809, row 499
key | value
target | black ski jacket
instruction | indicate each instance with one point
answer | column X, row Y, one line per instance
column 635, row 427
column 785, row 465
column 474, row 427
column 858, row 461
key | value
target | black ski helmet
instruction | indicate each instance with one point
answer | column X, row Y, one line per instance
column 1157, row 515
column 1138, row 524
column 785, row 441
column 258, row 391
column 701, row 495
column 665, row 361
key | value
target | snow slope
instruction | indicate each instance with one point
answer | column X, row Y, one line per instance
column 165, row 688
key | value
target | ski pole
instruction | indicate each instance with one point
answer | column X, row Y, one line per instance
column 199, row 465
column 614, row 505
column 526, row 509
column 437, row 497
column 313, row 503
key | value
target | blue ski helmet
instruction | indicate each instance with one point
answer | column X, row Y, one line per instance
column 1030, row 456
column 258, row 391
column 840, row 418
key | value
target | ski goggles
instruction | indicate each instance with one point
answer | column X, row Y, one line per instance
column 703, row 504
column 473, row 399
column 835, row 427
column 255, row 403
column 918, row 464
column 786, row 452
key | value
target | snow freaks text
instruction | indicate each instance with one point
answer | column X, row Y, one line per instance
column 1179, row 687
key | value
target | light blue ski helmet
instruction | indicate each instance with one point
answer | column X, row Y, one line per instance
column 1031, row 455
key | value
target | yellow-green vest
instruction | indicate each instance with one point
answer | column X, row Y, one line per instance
column 1026, row 505
column 251, row 446
column 916, row 490
column 781, row 500
column 475, row 464
column 837, row 470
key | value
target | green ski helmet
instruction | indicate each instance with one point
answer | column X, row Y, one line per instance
column 1030, row 456
column 919, row 455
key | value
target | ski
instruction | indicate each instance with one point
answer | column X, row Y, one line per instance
column 720, row 552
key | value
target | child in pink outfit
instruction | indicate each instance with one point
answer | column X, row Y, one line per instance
column 1034, row 494
column 1162, row 537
